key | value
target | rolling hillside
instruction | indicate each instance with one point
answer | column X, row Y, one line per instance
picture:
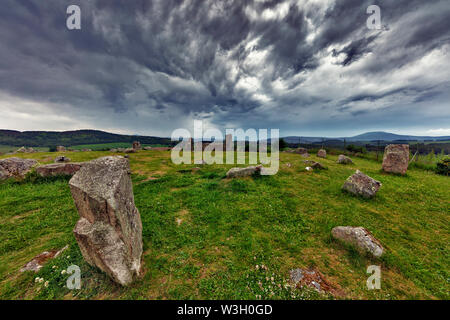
column 71, row 138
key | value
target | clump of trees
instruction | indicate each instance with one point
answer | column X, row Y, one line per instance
column 442, row 167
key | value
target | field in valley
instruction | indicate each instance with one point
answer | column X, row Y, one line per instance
column 205, row 237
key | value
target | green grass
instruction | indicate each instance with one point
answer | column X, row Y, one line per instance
column 230, row 226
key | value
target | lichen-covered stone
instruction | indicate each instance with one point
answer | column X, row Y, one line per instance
column 362, row 185
column 360, row 237
column 109, row 232
column 396, row 158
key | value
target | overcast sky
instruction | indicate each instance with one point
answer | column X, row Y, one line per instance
column 307, row 67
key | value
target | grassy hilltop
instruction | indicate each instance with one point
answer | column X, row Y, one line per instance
column 204, row 235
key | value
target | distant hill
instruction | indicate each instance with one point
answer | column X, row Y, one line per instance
column 368, row 136
column 71, row 138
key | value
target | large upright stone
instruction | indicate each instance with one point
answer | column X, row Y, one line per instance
column 362, row 185
column 15, row 167
column 60, row 149
column 109, row 232
column 137, row 145
column 396, row 158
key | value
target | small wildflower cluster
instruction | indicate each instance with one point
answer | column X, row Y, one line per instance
column 41, row 280
column 264, row 284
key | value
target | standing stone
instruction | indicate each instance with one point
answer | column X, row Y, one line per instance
column 137, row 145
column 109, row 232
column 344, row 160
column 396, row 158
column 15, row 167
column 60, row 149
column 360, row 237
column 322, row 153
column 362, row 185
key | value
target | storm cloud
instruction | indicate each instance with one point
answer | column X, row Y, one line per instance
column 149, row 67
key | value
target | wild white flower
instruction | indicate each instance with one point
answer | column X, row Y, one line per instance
column 63, row 272
column 46, row 284
column 36, row 279
column 41, row 280
column 257, row 267
column 54, row 267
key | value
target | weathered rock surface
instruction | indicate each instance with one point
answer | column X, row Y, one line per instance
column 61, row 159
column 15, row 167
column 360, row 237
column 109, row 232
column 38, row 262
column 322, row 153
column 243, row 172
column 130, row 150
column 361, row 184
column 56, row 169
column 61, row 149
column 344, row 159
column 396, row 158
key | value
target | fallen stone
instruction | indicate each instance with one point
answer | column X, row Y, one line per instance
column 313, row 278
column 318, row 166
column 38, row 262
column 86, row 150
column 360, row 237
column 62, row 159
column 130, row 150
column 15, row 167
column 109, row 232
column 148, row 148
column 60, row 149
column 344, row 160
column 361, row 184
column 243, row 172
column 396, row 158
column 322, row 153
column 57, row 169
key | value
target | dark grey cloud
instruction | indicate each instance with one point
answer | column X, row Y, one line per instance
column 152, row 66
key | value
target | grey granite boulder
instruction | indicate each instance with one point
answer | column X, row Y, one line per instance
column 15, row 167
column 243, row 172
column 359, row 237
column 109, row 232
column 362, row 185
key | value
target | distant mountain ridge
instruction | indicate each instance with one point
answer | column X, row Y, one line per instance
column 368, row 136
column 71, row 138
column 83, row 137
